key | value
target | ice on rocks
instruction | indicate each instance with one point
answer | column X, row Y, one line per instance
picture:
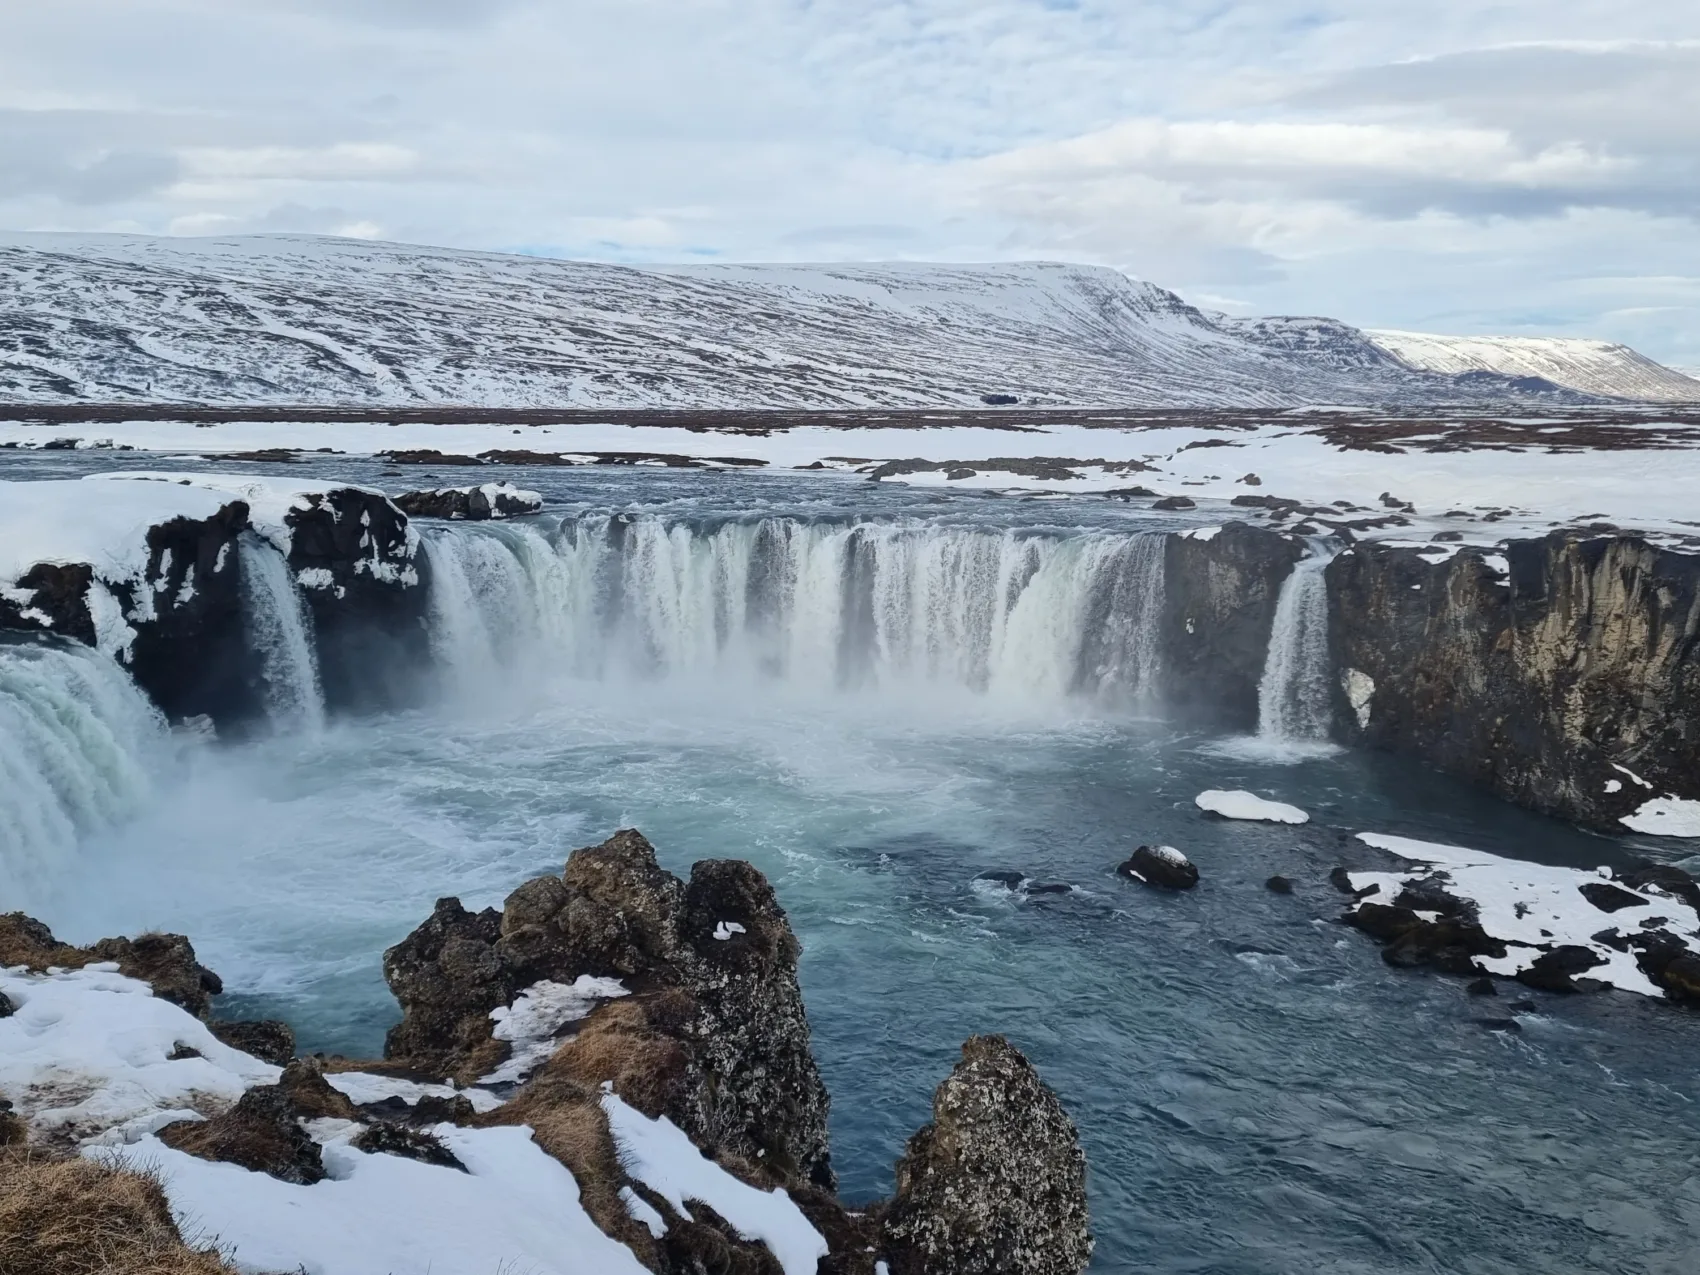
column 532, row 1023
column 1245, row 805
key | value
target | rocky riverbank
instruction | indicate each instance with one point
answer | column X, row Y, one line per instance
column 642, row 1034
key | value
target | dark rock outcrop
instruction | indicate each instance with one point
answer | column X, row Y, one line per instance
column 996, row 1183
column 1563, row 683
column 1219, row 597
column 165, row 961
column 1161, row 866
column 262, row 1132
column 469, row 504
column 266, row 1039
column 714, row 1036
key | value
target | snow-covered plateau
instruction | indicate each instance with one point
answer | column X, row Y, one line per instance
column 300, row 320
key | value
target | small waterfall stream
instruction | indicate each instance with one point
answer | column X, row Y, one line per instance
column 75, row 740
column 280, row 630
column 1293, row 697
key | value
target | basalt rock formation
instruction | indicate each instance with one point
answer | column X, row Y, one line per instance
column 470, row 504
column 1563, row 677
column 1219, row 603
column 715, row 1022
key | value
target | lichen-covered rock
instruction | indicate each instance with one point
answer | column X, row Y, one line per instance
column 1560, row 677
column 266, row 1039
column 996, row 1183
column 713, row 1036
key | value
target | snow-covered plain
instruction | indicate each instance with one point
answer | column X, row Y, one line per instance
column 1644, row 481
column 290, row 319
column 1532, row 907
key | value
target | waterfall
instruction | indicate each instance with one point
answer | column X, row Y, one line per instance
column 827, row 605
column 75, row 736
column 279, row 630
column 1293, row 697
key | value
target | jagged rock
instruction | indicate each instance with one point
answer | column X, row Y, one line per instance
column 714, row 1037
column 1557, row 970
column 261, row 1132
column 1450, row 943
column 1162, row 866
column 266, row 1039
column 1279, row 885
column 164, row 961
column 1537, row 681
column 1176, row 502
column 996, row 1183
column 1482, row 987
column 411, row 1144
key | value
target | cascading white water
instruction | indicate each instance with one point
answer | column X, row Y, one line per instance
column 829, row 605
column 75, row 739
column 1293, row 697
column 279, row 630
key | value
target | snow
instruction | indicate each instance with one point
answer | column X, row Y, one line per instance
column 1245, row 805
column 641, row 1212
column 1168, row 854
column 1596, row 367
column 726, row 929
column 532, row 1023
column 86, row 1057
column 199, row 320
column 269, row 500
column 1646, row 488
column 1532, row 906
column 658, row 1154
column 1666, row 817
column 515, row 1209
column 64, row 521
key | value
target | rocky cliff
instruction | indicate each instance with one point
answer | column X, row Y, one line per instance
column 645, row 1032
column 1561, row 673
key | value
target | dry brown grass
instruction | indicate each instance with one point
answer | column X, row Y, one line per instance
column 618, row 1044
column 80, row 1217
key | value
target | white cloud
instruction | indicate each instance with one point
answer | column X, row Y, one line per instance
column 1532, row 162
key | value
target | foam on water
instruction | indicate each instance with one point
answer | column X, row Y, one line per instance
column 280, row 630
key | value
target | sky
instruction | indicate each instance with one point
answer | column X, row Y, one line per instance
column 1471, row 166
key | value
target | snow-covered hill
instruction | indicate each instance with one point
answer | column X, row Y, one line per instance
column 310, row 320
column 1594, row 367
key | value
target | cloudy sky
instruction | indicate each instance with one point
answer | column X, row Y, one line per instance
column 1454, row 165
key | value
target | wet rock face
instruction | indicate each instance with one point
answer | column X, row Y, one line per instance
column 1161, row 866
column 996, row 1183
column 363, row 577
column 714, row 1035
column 1539, row 682
column 1219, row 598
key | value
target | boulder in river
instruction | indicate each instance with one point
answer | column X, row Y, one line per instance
column 1162, row 866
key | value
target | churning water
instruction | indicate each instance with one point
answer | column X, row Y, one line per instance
column 874, row 712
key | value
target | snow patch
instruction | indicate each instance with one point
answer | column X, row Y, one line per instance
column 658, row 1154
column 1245, row 805
column 1666, row 817
column 534, row 1021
